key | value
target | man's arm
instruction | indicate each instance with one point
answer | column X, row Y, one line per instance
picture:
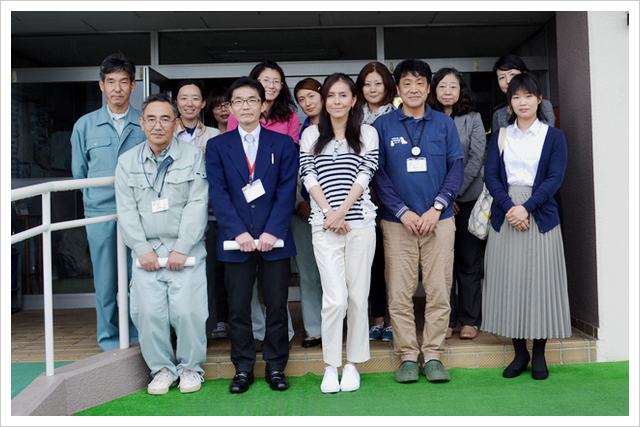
column 79, row 162
column 130, row 223
column 193, row 221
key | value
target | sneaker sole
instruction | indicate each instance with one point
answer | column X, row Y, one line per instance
column 387, row 339
column 349, row 389
column 157, row 392
column 190, row 389
column 331, row 391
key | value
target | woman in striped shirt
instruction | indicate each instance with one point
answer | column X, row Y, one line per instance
column 338, row 158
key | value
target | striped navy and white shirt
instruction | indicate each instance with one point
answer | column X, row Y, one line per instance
column 336, row 170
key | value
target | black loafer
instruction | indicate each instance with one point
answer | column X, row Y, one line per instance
column 540, row 375
column 277, row 380
column 513, row 373
column 311, row 341
column 241, row 382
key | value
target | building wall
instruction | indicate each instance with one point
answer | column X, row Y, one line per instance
column 609, row 61
column 576, row 193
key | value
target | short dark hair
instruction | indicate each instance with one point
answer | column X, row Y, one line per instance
column 525, row 83
column 183, row 83
column 509, row 62
column 160, row 97
column 117, row 62
column 217, row 96
column 465, row 104
column 416, row 67
column 247, row 82
column 387, row 80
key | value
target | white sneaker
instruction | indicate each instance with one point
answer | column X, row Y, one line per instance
column 350, row 378
column 330, row 382
column 161, row 383
column 190, row 381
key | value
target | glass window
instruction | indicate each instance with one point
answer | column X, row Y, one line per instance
column 203, row 47
column 77, row 50
column 454, row 42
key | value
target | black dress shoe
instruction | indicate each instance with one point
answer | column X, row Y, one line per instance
column 540, row 375
column 513, row 372
column 241, row 382
column 311, row 341
column 277, row 380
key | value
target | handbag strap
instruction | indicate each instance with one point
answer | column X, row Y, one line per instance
column 501, row 137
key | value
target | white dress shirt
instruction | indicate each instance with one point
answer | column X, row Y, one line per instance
column 256, row 137
column 522, row 152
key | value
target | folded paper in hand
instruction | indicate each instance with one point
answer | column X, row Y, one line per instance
column 190, row 262
column 232, row 245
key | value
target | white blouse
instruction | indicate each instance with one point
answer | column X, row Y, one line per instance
column 522, row 152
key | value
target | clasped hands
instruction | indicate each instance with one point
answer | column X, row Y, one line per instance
column 247, row 243
column 175, row 261
column 334, row 221
column 518, row 217
column 422, row 225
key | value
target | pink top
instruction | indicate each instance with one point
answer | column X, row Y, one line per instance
column 291, row 127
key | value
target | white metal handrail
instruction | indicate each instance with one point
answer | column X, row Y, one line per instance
column 45, row 190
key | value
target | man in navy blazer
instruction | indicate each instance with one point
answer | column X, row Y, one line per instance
column 252, row 176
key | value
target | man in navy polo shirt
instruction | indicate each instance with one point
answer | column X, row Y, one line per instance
column 421, row 170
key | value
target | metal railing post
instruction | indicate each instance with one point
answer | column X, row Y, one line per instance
column 123, row 291
column 47, row 283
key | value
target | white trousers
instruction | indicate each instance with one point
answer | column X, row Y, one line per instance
column 344, row 263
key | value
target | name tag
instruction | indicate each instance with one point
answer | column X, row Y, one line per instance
column 160, row 205
column 253, row 190
column 417, row 164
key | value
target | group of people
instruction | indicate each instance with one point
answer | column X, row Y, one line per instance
column 370, row 197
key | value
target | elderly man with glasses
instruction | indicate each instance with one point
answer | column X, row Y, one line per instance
column 161, row 198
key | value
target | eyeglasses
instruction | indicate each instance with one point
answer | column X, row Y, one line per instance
column 267, row 82
column 164, row 122
column 240, row 102
column 224, row 105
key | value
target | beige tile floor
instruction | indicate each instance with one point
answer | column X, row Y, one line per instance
column 75, row 339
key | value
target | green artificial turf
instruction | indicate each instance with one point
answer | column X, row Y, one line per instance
column 576, row 390
column 23, row 374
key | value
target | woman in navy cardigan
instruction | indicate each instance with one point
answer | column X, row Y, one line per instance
column 525, row 290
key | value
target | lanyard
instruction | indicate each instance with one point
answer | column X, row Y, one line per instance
column 164, row 165
column 252, row 167
column 415, row 150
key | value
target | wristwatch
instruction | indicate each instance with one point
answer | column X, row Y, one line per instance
column 438, row 206
column 325, row 210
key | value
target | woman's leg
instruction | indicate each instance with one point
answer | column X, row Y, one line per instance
column 520, row 360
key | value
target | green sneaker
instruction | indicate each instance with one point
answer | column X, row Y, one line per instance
column 435, row 372
column 409, row 372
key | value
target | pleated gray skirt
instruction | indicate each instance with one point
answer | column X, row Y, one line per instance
column 525, row 286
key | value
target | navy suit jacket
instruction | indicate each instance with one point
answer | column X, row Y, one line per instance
column 227, row 171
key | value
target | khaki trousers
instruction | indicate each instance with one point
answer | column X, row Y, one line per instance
column 404, row 253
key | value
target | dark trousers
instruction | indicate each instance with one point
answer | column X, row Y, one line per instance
column 273, row 276
column 216, row 291
column 378, row 289
column 467, row 272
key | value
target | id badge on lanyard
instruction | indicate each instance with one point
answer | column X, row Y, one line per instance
column 416, row 164
column 253, row 189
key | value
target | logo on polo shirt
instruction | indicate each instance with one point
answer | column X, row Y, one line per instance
column 398, row 140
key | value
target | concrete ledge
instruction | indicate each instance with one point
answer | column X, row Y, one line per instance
column 84, row 384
